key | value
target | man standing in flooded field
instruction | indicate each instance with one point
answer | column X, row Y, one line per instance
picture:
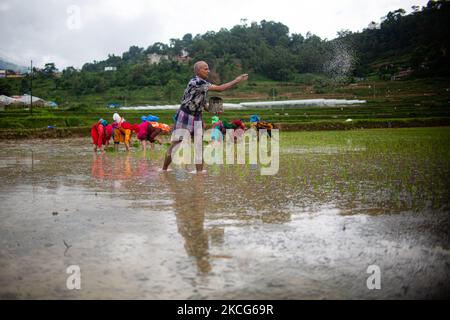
column 193, row 104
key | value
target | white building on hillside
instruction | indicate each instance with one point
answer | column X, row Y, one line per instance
column 155, row 58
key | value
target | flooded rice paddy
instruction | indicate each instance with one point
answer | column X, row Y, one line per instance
column 341, row 202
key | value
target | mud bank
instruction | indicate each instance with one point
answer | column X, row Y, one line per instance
column 57, row 133
column 79, row 132
column 363, row 124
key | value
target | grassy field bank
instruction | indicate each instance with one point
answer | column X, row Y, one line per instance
column 412, row 103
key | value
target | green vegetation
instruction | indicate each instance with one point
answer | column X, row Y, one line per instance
column 265, row 50
column 371, row 171
column 417, row 102
column 359, row 171
column 282, row 66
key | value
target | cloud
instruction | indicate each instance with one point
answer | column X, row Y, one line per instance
column 47, row 30
column 47, row 35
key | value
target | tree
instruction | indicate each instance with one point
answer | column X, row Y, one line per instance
column 274, row 33
column 49, row 69
column 134, row 55
column 100, row 85
column 5, row 88
column 296, row 42
column 344, row 33
column 25, row 84
column 420, row 40
column 77, row 85
column 158, row 48
column 170, row 90
column 176, row 46
column 187, row 39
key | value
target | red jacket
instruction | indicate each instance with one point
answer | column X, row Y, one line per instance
column 127, row 125
column 97, row 134
column 239, row 124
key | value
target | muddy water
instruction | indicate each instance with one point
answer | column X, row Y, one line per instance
column 310, row 232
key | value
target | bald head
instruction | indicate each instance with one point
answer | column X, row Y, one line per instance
column 201, row 69
column 198, row 65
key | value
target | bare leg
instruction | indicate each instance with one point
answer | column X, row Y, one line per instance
column 127, row 139
column 168, row 158
column 199, row 167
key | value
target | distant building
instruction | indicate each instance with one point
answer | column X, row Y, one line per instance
column 10, row 74
column 182, row 59
column 374, row 26
column 110, row 68
column 15, row 75
column 51, row 104
column 10, row 103
column 5, row 101
column 113, row 105
column 402, row 74
column 26, row 100
column 155, row 58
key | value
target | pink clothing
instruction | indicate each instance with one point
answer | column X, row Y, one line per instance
column 142, row 132
column 108, row 133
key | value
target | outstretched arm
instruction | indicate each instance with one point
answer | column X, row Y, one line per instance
column 228, row 85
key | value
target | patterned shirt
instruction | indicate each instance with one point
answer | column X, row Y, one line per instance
column 195, row 95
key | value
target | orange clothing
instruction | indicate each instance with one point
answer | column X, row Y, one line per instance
column 123, row 132
column 122, row 135
column 164, row 127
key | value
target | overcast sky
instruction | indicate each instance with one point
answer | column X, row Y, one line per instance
column 73, row 32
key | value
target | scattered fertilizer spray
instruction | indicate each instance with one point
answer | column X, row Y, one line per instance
column 341, row 63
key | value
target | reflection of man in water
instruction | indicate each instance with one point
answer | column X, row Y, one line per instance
column 190, row 214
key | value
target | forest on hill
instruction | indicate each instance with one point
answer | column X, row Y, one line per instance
column 418, row 43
